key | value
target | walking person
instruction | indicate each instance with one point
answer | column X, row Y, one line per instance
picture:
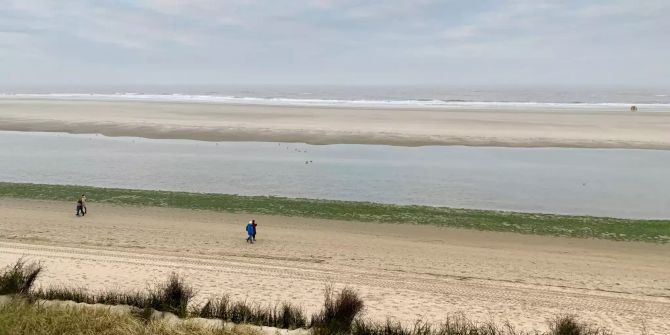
column 250, row 232
column 83, row 204
column 253, row 222
column 79, row 208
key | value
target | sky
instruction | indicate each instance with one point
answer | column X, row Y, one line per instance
column 347, row 42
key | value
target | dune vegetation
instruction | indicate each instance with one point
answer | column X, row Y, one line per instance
column 25, row 313
column 23, row 317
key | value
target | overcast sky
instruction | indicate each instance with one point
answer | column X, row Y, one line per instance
column 462, row 42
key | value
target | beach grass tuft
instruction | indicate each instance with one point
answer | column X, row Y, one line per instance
column 172, row 296
column 19, row 277
column 339, row 312
column 570, row 325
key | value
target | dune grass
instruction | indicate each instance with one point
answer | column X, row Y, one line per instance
column 171, row 296
column 338, row 313
column 526, row 223
column 281, row 315
column 19, row 278
column 20, row 317
column 569, row 325
column 341, row 313
column 460, row 325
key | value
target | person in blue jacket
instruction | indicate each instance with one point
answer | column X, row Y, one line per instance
column 250, row 232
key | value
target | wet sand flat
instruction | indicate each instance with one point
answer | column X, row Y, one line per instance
column 341, row 125
column 402, row 271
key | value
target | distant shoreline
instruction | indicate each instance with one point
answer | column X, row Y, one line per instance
column 398, row 126
column 391, row 103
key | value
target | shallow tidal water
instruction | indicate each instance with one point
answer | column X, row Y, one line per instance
column 602, row 182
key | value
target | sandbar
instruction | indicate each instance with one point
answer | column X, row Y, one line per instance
column 341, row 125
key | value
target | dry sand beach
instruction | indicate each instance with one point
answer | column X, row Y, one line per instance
column 599, row 128
column 402, row 271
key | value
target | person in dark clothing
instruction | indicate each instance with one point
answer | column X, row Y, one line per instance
column 250, row 232
column 80, row 208
column 253, row 222
column 83, row 204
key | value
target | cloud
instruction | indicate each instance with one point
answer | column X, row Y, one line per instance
column 327, row 41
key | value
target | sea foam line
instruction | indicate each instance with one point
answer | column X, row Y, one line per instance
column 334, row 102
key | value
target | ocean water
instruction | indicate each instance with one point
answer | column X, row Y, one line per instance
column 545, row 98
column 602, row 182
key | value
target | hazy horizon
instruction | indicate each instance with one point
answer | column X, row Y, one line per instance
column 513, row 43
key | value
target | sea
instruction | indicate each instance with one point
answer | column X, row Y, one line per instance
column 623, row 183
column 602, row 182
column 539, row 98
